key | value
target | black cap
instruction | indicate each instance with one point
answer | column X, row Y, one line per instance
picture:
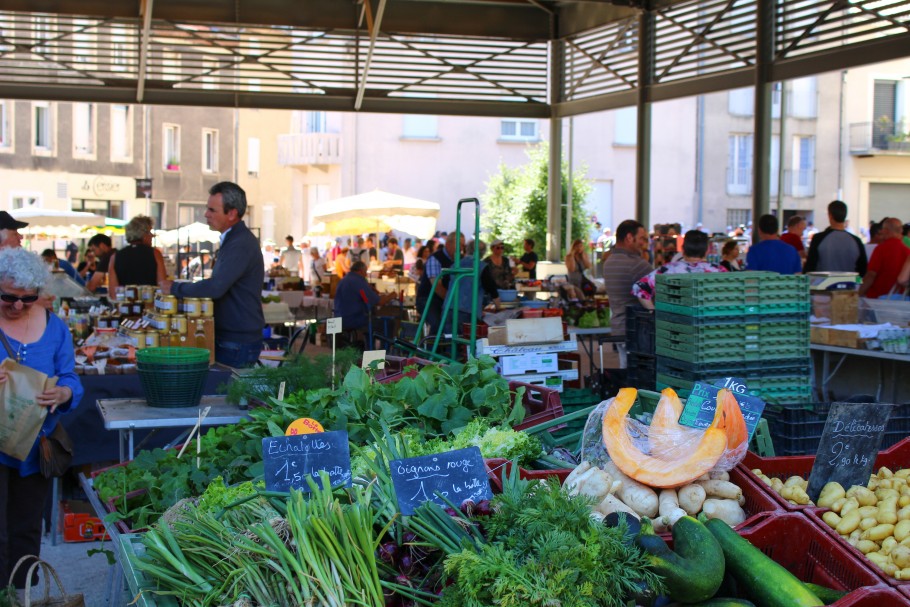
column 8, row 222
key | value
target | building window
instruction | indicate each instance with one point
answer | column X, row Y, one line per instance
column 419, row 126
column 802, row 182
column 209, row 151
column 121, row 133
column 252, row 156
column 741, row 102
column 317, row 122
column 738, row 217
column 22, row 201
column 105, row 208
column 625, row 126
column 171, row 147
column 6, row 125
column 518, row 130
column 43, row 128
column 156, row 212
column 189, row 212
column 884, row 112
column 739, row 165
column 84, row 130
column 803, row 98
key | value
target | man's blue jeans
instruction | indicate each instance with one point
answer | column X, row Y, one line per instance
column 236, row 354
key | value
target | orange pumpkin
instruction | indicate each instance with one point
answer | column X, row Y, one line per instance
column 733, row 423
column 664, row 431
column 653, row 471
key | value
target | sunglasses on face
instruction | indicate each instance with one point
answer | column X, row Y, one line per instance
column 26, row 299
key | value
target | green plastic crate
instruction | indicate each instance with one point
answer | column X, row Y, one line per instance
column 729, row 310
column 732, row 321
column 739, row 330
column 732, row 350
column 733, row 281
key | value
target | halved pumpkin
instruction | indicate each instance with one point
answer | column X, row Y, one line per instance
column 733, row 422
column 663, row 433
column 654, row 471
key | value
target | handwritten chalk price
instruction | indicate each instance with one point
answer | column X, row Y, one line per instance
column 457, row 476
column 333, row 326
column 290, row 460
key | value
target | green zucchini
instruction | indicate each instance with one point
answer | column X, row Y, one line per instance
column 827, row 595
column 694, row 571
column 763, row 581
column 723, row 602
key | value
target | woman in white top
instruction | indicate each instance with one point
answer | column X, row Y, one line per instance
column 410, row 253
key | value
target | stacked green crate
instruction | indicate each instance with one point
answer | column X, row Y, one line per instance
column 751, row 325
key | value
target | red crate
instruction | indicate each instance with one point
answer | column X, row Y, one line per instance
column 905, row 591
column 541, row 405
column 895, row 457
column 800, row 547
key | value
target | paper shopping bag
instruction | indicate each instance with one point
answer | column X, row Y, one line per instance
column 20, row 415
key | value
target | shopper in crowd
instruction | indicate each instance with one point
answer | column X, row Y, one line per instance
column 86, row 267
column 835, row 249
column 410, row 253
column 200, row 266
column 104, row 250
column 355, row 297
column 236, row 282
column 269, row 255
column 358, row 252
column 875, row 236
column 487, row 293
column 500, row 266
column 9, row 230
column 343, row 262
column 40, row 340
column 372, row 250
column 528, row 261
column 625, row 265
column 796, row 225
column 886, row 263
column 291, row 258
column 416, row 270
column 317, row 267
column 443, row 258
column 55, row 263
column 729, row 256
column 695, row 247
column 771, row 254
column 393, row 265
column 576, row 264
column 139, row 263
column 72, row 252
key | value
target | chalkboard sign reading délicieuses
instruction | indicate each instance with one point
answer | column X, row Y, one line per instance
column 848, row 446
column 290, row 460
column 457, row 475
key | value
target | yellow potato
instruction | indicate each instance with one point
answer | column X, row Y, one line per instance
column 796, row 481
column 904, row 512
column 868, row 523
column 863, row 496
column 848, row 522
column 777, row 484
column 831, row 519
column 867, row 511
column 903, row 574
column 904, row 498
column 866, row 546
column 888, row 544
column 887, row 511
column 830, row 493
column 885, row 472
column 902, row 530
column 903, row 473
column 883, row 493
column 849, row 505
column 900, row 556
column 878, row 533
column 795, row 494
column 837, row 504
column 879, row 559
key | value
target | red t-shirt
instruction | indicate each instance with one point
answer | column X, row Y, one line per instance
column 793, row 240
column 887, row 260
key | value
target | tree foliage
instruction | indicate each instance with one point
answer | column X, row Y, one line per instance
column 514, row 206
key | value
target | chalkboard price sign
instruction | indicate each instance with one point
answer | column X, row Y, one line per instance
column 848, row 446
column 289, row 460
column 458, row 475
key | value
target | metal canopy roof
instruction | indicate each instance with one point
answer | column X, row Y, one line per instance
column 521, row 58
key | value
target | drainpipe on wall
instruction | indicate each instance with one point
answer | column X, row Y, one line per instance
column 840, row 135
column 700, row 158
column 781, row 154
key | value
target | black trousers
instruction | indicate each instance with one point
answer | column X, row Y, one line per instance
column 22, row 501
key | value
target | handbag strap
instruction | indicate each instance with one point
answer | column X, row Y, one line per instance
column 5, row 341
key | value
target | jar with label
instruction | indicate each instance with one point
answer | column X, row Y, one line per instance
column 199, row 337
column 178, row 324
column 147, row 293
column 165, row 304
column 125, row 308
column 166, row 339
column 137, row 335
column 131, row 292
column 103, row 321
column 152, row 339
column 192, row 307
column 136, row 308
column 208, row 307
column 160, row 322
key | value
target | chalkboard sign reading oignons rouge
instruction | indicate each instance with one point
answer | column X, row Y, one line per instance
column 290, row 460
column 457, row 475
column 848, row 446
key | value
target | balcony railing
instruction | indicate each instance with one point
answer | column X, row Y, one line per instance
column 739, row 181
column 879, row 137
column 799, row 183
column 309, row 148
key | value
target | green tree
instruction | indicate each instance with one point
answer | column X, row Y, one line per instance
column 514, row 206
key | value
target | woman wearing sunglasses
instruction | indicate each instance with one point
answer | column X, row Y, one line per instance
column 40, row 340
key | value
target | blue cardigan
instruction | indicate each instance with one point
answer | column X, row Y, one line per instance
column 53, row 355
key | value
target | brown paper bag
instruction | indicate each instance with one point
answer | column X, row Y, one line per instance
column 20, row 416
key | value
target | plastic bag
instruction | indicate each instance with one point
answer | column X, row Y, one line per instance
column 664, row 447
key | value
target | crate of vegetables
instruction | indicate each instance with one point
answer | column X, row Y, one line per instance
column 540, row 404
column 125, row 503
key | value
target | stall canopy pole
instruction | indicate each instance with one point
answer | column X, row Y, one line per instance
column 554, row 172
column 646, row 36
column 761, row 145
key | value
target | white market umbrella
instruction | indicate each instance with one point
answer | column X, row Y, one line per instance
column 375, row 211
column 56, row 223
column 195, row 232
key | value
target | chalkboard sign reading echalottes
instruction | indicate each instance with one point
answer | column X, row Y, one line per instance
column 289, row 460
column 458, row 475
column 849, row 444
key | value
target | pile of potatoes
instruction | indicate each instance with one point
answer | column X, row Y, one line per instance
column 712, row 494
column 875, row 519
column 793, row 489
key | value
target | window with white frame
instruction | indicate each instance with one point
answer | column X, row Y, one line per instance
column 317, row 122
column 84, row 130
column 121, row 133
column 513, row 129
column 419, row 126
column 171, row 147
column 252, row 156
column 42, row 128
column 803, row 180
column 803, row 99
column 625, row 126
column 22, row 200
column 209, row 151
column 738, row 217
column 739, row 165
column 6, row 125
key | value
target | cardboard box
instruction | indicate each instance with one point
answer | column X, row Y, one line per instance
column 841, row 307
column 533, row 330
column 529, row 363
column 831, row 336
column 79, row 523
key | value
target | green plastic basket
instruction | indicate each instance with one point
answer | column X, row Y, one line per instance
column 172, row 377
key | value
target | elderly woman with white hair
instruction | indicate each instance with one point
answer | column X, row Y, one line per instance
column 38, row 339
column 139, row 263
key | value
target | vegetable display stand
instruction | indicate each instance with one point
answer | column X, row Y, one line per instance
column 795, row 543
column 540, row 404
column 895, row 457
column 128, row 548
column 114, row 504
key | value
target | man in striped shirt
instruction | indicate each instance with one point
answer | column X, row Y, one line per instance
column 627, row 263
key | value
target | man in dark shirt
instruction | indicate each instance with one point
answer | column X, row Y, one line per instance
column 528, row 261
column 100, row 244
column 354, row 296
column 836, row 249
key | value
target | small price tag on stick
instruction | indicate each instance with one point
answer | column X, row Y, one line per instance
column 333, row 326
column 281, row 391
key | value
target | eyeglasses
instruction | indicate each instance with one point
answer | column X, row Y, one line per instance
column 26, row 299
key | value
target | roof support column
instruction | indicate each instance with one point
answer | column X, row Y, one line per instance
column 554, row 169
column 761, row 144
column 646, row 40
